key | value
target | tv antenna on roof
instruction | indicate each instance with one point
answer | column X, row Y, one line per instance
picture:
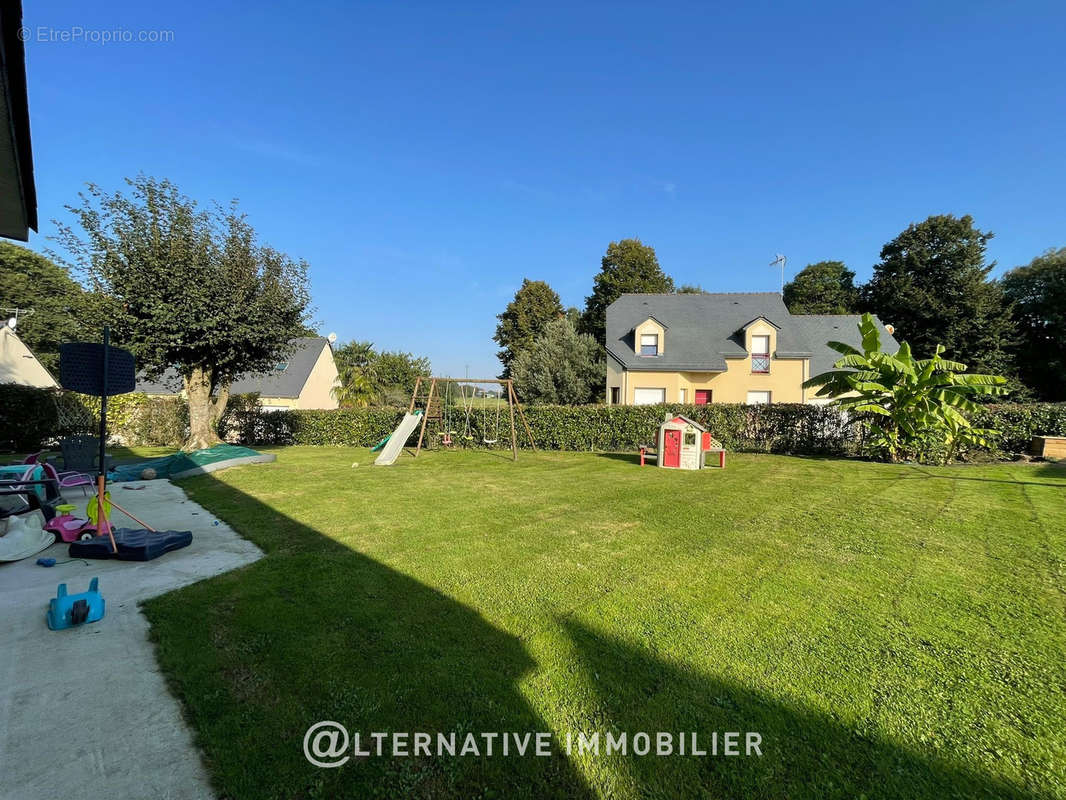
column 780, row 260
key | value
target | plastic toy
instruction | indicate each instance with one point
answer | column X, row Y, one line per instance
column 67, row 611
column 69, row 528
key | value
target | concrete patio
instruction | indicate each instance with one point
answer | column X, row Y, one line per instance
column 85, row 712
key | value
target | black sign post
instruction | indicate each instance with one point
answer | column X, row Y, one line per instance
column 99, row 370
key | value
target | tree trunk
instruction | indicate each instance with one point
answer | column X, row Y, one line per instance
column 202, row 416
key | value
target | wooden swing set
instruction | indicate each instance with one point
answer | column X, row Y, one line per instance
column 434, row 397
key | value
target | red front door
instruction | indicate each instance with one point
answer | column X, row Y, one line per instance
column 703, row 397
column 672, row 448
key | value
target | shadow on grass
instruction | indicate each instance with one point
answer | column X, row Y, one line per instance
column 805, row 753
column 315, row 631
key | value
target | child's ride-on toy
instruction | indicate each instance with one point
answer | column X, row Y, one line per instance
column 66, row 611
column 69, row 528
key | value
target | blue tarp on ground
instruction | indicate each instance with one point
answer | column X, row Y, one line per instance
column 181, row 465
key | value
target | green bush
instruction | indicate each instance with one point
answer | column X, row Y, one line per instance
column 28, row 417
column 1018, row 423
column 137, row 419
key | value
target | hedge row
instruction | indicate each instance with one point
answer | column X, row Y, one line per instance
column 31, row 417
column 1018, row 423
column 782, row 428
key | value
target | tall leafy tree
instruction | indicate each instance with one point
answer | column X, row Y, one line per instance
column 826, row 287
column 28, row 280
column 535, row 304
column 396, row 373
column 1038, row 295
column 932, row 284
column 187, row 287
column 628, row 266
column 563, row 366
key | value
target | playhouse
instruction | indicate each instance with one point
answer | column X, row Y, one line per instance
column 683, row 443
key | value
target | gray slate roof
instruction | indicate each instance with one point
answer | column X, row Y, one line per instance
column 277, row 383
column 822, row 328
column 705, row 329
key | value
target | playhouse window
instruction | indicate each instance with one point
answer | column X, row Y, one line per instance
column 649, row 344
column 690, row 439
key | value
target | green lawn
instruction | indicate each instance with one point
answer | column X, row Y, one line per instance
column 891, row 631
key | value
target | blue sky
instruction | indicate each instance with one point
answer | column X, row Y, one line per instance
column 425, row 157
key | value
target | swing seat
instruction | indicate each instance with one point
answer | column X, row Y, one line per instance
column 489, row 441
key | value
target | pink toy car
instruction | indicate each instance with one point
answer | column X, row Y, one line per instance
column 69, row 528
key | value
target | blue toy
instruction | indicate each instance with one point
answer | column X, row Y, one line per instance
column 66, row 611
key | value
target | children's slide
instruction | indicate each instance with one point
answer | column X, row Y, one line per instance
column 398, row 439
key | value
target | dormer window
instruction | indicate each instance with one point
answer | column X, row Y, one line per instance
column 649, row 344
column 760, row 353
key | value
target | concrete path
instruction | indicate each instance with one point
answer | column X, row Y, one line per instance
column 85, row 712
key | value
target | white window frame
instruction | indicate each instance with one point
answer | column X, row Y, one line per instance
column 768, row 395
column 661, row 389
column 760, row 353
column 641, row 344
column 681, row 395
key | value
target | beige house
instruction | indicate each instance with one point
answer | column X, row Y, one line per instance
column 19, row 365
column 304, row 380
column 718, row 348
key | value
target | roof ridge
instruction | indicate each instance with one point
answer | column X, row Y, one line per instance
column 687, row 294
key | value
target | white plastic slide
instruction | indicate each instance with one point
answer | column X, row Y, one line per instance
column 398, row 439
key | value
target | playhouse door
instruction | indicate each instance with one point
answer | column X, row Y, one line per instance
column 672, row 448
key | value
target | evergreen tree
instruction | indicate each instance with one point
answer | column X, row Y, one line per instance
column 932, row 285
column 535, row 304
column 1038, row 294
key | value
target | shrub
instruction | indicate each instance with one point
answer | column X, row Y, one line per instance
column 137, row 419
column 28, row 417
column 1018, row 423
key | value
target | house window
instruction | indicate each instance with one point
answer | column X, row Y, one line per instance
column 614, row 395
column 703, row 397
column 681, row 395
column 649, row 344
column 281, row 366
column 758, row 398
column 648, row 397
column 760, row 353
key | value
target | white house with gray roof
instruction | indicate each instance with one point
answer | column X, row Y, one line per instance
column 719, row 348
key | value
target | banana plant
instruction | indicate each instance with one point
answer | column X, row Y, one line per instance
column 915, row 408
